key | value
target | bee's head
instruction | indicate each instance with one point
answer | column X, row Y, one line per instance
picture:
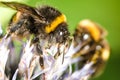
column 87, row 28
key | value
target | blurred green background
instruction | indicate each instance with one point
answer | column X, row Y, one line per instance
column 104, row 12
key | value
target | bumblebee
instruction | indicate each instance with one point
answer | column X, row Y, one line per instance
column 43, row 22
column 93, row 45
column 47, row 24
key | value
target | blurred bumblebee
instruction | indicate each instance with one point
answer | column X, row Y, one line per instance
column 93, row 45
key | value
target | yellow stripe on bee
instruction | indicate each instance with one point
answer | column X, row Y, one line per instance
column 93, row 29
column 55, row 23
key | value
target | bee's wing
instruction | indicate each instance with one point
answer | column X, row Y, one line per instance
column 25, row 9
column 20, row 7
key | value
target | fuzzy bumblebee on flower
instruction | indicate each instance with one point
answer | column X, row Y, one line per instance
column 48, row 51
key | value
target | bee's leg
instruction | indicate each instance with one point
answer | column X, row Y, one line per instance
column 40, row 52
column 7, row 35
column 41, row 60
column 59, row 52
